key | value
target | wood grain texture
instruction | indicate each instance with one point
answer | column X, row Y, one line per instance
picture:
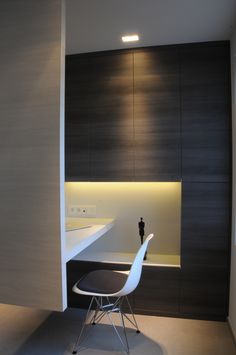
column 182, row 130
column 178, row 91
column 157, row 292
column 99, row 117
column 205, row 249
column 31, row 269
column 157, row 114
column 77, row 118
column 112, row 126
column 206, row 174
column 123, row 116
column 206, row 113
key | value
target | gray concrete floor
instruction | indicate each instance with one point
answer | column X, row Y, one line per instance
column 25, row 331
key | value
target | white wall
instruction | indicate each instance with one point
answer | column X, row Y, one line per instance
column 158, row 203
column 31, row 143
column 232, row 305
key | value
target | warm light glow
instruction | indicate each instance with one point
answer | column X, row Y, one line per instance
column 128, row 184
column 131, row 38
column 159, row 203
column 125, row 187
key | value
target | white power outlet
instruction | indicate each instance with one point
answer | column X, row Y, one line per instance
column 82, row 211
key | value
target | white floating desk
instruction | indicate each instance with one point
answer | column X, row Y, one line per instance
column 79, row 239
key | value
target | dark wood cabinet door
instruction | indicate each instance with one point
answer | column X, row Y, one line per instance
column 99, row 117
column 205, row 249
column 157, row 114
column 205, row 98
column 111, row 132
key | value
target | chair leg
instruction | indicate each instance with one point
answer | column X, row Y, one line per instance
column 98, row 317
column 115, row 306
column 79, row 341
column 132, row 313
column 124, row 329
column 96, row 313
column 107, row 309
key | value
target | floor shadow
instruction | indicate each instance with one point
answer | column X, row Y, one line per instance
column 103, row 340
column 57, row 334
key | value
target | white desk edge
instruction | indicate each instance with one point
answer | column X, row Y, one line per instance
column 79, row 239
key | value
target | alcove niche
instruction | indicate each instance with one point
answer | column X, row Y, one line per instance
column 159, row 203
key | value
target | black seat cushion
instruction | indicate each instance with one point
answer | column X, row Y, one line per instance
column 102, row 281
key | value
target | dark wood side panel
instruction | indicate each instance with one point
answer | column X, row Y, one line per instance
column 206, row 114
column 77, row 118
column 157, row 114
column 205, row 249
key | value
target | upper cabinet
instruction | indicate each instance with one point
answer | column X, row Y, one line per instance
column 206, row 127
column 99, row 117
column 150, row 114
column 111, row 120
column 123, row 116
column 157, row 114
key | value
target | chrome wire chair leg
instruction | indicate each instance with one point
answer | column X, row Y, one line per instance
column 106, row 308
column 132, row 313
column 115, row 307
column 96, row 311
column 117, row 333
column 124, row 329
column 98, row 317
column 79, row 338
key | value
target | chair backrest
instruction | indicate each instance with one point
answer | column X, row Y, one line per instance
column 136, row 269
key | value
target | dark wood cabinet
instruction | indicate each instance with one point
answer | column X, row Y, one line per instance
column 205, row 248
column 157, row 292
column 206, row 179
column 205, row 107
column 99, row 117
column 162, row 114
column 111, row 132
column 157, row 114
column 123, row 116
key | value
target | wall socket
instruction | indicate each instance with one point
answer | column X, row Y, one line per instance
column 81, row 211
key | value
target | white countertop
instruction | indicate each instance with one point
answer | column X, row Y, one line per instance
column 79, row 239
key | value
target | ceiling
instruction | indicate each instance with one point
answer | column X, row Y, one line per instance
column 96, row 25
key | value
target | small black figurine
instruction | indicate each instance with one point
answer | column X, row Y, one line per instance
column 141, row 226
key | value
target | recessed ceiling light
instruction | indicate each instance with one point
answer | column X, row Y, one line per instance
column 131, row 38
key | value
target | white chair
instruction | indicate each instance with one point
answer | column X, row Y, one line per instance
column 104, row 284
